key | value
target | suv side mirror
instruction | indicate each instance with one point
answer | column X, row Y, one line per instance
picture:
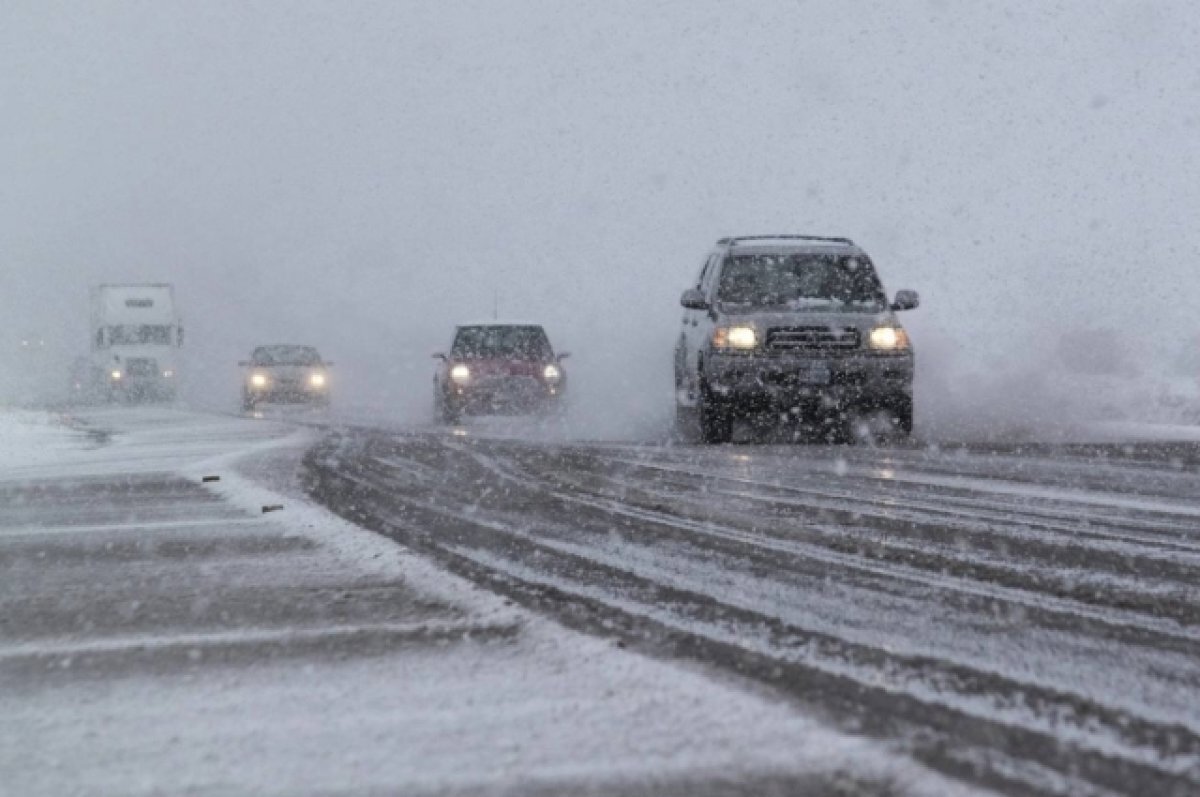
column 437, row 355
column 327, row 363
column 906, row 300
column 693, row 299
column 562, row 355
column 244, row 363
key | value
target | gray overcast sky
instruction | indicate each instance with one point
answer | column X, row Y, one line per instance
column 362, row 175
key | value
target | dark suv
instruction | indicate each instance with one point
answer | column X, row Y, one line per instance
column 792, row 325
column 498, row 368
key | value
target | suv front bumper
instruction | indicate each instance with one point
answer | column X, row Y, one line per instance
column 790, row 380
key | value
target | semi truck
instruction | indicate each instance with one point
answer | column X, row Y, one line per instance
column 136, row 337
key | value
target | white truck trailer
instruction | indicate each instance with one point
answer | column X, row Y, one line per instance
column 136, row 337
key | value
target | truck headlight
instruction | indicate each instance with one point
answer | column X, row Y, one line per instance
column 741, row 338
column 551, row 373
column 258, row 380
column 461, row 374
column 889, row 339
column 317, row 380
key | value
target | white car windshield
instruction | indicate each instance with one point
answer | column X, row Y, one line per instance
column 286, row 355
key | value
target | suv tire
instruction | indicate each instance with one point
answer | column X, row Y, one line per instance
column 448, row 413
column 901, row 409
column 716, row 420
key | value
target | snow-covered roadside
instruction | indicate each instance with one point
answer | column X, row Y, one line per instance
column 1038, row 400
column 549, row 709
column 97, row 442
column 28, row 438
column 362, row 548
column 1129, row 432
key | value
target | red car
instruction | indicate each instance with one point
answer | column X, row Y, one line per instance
column 498, row 368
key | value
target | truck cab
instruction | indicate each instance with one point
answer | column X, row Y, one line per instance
column 136, row 337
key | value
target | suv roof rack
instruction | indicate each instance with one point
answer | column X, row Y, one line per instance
column 740, row 238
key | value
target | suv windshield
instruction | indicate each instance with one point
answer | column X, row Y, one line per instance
column 801, row 281
column 525, row 343
column 286, row 355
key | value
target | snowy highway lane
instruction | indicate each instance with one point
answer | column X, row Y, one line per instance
column 1028, row 618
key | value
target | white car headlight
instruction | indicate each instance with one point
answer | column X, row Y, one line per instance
column 258, row 380
column 317, row 380
column 116, row 375
column 461, row 374
column 889, row 339
column 551, row 373
column 735, row 338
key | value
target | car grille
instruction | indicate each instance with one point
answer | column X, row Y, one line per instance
column 508, row 383
column 812, row 338
column 141, row 367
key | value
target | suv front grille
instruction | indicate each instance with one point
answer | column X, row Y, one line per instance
column 812, row 338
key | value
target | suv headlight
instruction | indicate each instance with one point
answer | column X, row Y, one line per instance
column 460, row 374
column 889, row 339
column 317, row 380
column 258, row 380
column 551, row 373
column 739, row 338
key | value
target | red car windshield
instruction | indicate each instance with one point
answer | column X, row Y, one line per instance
column 501, row 342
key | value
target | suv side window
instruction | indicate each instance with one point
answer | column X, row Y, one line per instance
column 709, row 281
column 704, row 273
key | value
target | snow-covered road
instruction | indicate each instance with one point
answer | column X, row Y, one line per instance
column 161, row 634
column 1028, row 616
